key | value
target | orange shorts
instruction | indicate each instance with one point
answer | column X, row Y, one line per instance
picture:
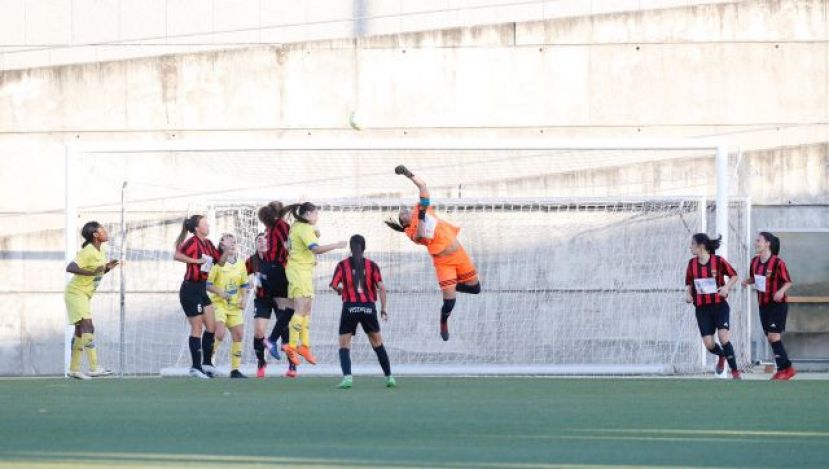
column 454, row 268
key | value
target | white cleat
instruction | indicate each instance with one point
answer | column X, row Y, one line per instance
column 78, row 375
column 97, row 373
column 197, row 373
column 209, row 370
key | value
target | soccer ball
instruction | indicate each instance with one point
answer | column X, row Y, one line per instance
column 355, row 121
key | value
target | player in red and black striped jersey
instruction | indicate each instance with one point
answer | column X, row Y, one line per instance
column 707, row 289
column 276, row 235
column 199, row 254
column 770, row 277
column 359, row 281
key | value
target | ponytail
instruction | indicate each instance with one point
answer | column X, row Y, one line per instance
column 395, row 225
column 88, row 232
column 298, row 211
column 188, row 226
column 711, row 245
column 268, row 214
column 357, row 243
column 774, row 242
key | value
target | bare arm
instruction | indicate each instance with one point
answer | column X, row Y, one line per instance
column 327, row 247
column 725, row 289
column 218, row 291
column 186, row 259
column 73, row 268
column 421, row 185
column 383, row 301
column 689, row 298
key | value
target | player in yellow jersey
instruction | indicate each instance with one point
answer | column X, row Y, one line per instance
column 228, row 287
column 89, row 267
column 303, row 247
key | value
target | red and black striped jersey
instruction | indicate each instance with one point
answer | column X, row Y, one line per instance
column 717, row 268
column 345, row 273
column 256, row 270
column 277, row 242
column 194, row 248
column 776, row 275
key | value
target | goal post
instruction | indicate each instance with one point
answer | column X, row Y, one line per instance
column 565, row 230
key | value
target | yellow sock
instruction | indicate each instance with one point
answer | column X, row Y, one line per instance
column 217, row 342
column 235, row 355
column 91, row 352
column 305, row 334
column 294, row 330
column 77, row 354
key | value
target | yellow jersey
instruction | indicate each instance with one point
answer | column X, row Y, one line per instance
column 301, row 239
column 230, row 277
column 88, row 258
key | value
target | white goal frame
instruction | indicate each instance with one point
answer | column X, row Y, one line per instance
column 718, row 148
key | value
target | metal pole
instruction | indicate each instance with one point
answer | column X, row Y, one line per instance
column 703, row 228
column 70, row 243
column 722, row 198
column 123, row 286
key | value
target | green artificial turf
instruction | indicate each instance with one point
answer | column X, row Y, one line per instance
column 461, row 422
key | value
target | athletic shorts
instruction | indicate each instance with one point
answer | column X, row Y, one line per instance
column 454, row 268
column 78, row 305
column 300, row 281
column 263, row 308
column 364, row 314
column 278, row 287
column 713, row 317
column 232, row 317
column 773, row 317
column 193, row 298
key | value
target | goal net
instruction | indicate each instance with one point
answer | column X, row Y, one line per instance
column 587, row 282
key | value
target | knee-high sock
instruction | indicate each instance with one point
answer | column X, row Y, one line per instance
column 194, row 343
column 383, row 358
column 729, row 355
column 446, row 309
column 287, row 314
column 717, row 350
column 780, row 355
column 207, row 347
column 235, row 355
column 91, row 353
column 217, row 344
column 259, row 349
column 295, row 329
column 77, row 354
column 345, row 361
column 305, row 334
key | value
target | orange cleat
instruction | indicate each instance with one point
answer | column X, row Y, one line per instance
column 260, row 372
column 290, row 352
column 291, row 373
column 305, row 353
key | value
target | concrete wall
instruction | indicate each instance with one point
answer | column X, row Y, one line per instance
column 38, row 33
column 752, row 73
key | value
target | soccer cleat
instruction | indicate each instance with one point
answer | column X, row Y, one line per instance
column 390, row 382
column 784, row 375
column 346, row 382
column 290, row 352
column 273, row 350
column 444, row 331
column 305, row 352
column 237, row 374
column 209, row 370
column 291, row 373
column 98, row 372
column 197, row 373
column 260, row 371
column 720, row 365
column 735, row 374
column 78, row 375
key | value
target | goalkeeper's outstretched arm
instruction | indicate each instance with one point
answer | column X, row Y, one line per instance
column 421, row 185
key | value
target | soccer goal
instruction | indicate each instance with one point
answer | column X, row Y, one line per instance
column 581, row 246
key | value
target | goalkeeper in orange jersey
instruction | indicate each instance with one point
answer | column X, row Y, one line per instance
column 453, row 266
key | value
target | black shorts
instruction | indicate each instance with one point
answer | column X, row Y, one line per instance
column 713, row 317
column 364, row 314
column 773, row 317
column 193, row 298
column 263, row 308
column 276, row 283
